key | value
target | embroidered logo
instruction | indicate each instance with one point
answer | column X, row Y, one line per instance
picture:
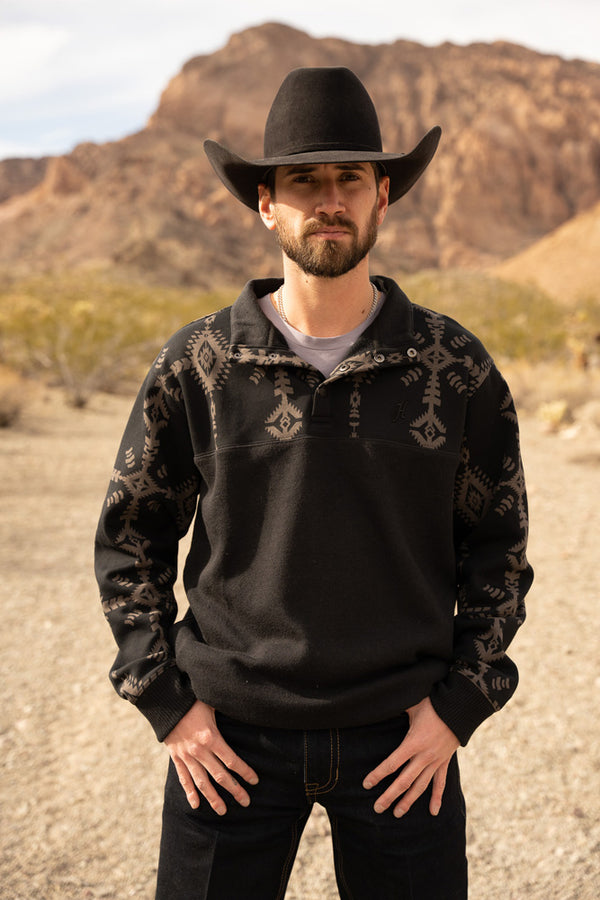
column 399, row 411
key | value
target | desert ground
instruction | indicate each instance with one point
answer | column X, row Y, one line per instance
column 82, row 774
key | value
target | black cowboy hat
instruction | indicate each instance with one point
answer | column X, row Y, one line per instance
column 321, row 115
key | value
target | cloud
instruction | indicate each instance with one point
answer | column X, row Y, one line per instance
column 28, row 53
column 95, row 69
column 14, row 149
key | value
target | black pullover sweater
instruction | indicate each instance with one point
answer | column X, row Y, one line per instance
column 358, row 542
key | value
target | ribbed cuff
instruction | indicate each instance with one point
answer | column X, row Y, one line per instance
column 166, row 701
column 460, row 705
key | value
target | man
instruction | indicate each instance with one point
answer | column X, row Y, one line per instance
column 357, row 566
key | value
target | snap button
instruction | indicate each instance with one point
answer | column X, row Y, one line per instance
column 344, row 367
column 411, row 352
column 236, row 354
column 379, row 358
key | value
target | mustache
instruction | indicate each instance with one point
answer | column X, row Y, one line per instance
column 329, row 222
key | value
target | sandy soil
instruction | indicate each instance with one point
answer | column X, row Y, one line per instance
column 82, row 775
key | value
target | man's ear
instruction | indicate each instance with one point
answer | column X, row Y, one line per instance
column 265, row 207
column 383, row 199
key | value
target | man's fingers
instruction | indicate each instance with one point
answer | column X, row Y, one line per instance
column 425, row 754
column 235, row 764
column 195, row 778
column 187, row 783
column 205, row 762
column 389, row 765
column 224, row 779
column 399, row 786
column 209, row 774
column 418, row 787
column 439, row 785
column 211, row 746
column 409, row 785
column 221, row 766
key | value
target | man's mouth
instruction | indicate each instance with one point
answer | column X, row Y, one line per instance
column 329, row 232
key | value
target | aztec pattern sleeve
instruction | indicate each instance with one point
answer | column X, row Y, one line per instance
column 493, row 574
column 149, row 506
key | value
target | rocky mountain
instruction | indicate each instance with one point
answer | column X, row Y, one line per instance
column 564, row 263
column 19, row 175
column 520, row 156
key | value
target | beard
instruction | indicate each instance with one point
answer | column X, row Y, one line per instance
column 323, row 258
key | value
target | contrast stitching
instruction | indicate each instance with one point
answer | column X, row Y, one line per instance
column 339, row 861
column 285, row 872
column 313, row 788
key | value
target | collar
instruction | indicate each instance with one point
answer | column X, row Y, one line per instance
column 389, row 340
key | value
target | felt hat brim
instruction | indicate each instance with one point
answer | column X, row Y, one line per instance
column 242, row 176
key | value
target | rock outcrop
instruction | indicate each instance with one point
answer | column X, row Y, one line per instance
column 520, row 156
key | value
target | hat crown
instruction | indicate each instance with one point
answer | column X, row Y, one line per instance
column 324, row 108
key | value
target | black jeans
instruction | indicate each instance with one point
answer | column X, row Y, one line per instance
column 248, row 853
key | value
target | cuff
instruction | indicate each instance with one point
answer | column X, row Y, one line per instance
column 166, row 701
column 460, row 705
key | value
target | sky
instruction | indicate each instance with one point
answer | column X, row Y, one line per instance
column 93, row 70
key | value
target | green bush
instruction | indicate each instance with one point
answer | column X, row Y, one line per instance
column 87, row 333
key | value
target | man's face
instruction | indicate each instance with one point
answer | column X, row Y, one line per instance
column 325, row 216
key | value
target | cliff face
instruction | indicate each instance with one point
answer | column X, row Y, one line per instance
column 520, row 155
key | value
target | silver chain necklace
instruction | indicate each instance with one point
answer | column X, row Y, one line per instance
column 281, row 310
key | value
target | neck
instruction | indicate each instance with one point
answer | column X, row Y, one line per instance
column 326, row 307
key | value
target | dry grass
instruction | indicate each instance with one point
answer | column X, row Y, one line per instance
column 560, row 396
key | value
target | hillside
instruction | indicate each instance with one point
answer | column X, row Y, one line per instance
column 519, row 157
column 564, row 263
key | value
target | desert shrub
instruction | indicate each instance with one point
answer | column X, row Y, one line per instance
column 513, row 321
column 555, row 392
column 583, row 337
column 87, row 333
column 84, row 332
column 12, row 397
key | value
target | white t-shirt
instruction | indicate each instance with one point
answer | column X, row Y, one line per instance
column 324, row 353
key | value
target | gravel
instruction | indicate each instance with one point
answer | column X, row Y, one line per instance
column 82, row 774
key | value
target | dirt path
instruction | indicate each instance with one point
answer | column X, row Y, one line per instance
column 81, row 773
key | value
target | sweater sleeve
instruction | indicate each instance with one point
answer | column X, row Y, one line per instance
column 149, row 506
column 493, row 574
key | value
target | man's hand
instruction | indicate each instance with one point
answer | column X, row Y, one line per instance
column 200, row 754
column 425, row 754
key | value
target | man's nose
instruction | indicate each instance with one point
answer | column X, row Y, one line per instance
column 330, row 199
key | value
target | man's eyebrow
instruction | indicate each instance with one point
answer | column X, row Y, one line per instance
column 310, row 167
column 294, row 170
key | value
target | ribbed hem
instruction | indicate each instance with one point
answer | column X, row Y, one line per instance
column 460, row 705
column 166, row 701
